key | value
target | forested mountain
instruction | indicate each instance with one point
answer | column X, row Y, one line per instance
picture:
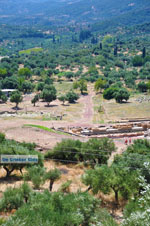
column 72, row 11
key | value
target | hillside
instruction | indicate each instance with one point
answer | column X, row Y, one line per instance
column 70, row 11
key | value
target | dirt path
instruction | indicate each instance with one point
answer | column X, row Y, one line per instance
column 88, row 112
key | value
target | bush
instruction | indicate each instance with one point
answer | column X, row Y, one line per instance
column 36, row 175
column 71, row 97
column 60, row 210
column 2, row 137
column 138, row 61
column 14, row 198
column 52, row 176
column 109, row 93
column 92, row 151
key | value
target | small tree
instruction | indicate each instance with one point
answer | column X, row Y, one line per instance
column 49, row 94
column 137, row 61
column 27, row 86
column 52, row 175
column 148, row 86
column 16, row 97
column 25, row 72
column 82, row 85
column 3, row 97
column 142, row 87
column 65, row 187
column 40, row 86
column 62, row 98
column 72, row 97
column 14, row 198
column 109, row 93
column 114, row 178
column 99, row 85
column 35, row 99
column 37, row 175
column 121, row 94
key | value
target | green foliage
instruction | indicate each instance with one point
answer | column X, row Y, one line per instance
column 14, row 198
column 11, row 147
column 137, row 61
column 84, row 34
column 62, row 98
column 29, row 51
column 139, row 151
column 109, row 93
column 52, row 176
column 3, row 97
column 35, row 99
column 94, row 151
column 25, row 72
column 36, row 174
column 72, row 97
column 49, row 94
column 16, row 97
column 10, row 83
column 137, row 210
column 61, row 210
column 2, row 137
column 45, row 128
column 65, row 187
column 3, row 73
column 99, row 84
column 81, row 84
column 40, row 86
column 121, row 94
column 27, row 86
column 114, row 178
column 142, row 87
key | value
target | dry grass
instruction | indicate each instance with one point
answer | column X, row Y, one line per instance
column 132, row 109
column 114, row 111
column 72, row 172
column 99, row 117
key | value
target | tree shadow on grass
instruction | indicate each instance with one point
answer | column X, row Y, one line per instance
column 17, row 109
column 125, row 102
column 65, row 105
column 50, row 105
column 84, row 94
column 11, row 179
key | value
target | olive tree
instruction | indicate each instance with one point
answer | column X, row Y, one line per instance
column 52, row 176
column 16, row 97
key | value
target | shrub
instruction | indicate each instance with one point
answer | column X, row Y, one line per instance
column 36, row 175
column 14, row 198
column 52, row 175
column 93, row 151
column 2, row 137
column 72, row 97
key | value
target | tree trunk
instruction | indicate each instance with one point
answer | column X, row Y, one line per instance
column 116, row 196
column 89, row 188
column 51, row 185
column 8, row 172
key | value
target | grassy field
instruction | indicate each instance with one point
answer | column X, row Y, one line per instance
column 29, row 51
column 99, row 114
column 45, row 129
column 63, row 87
column 112, row 111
